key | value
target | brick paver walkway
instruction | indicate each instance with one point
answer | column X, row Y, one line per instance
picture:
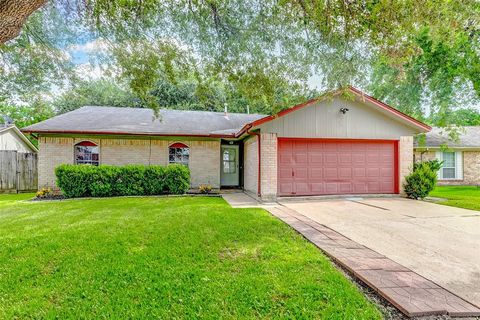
column 408, row 291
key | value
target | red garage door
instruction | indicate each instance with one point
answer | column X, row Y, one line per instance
column 319, row 167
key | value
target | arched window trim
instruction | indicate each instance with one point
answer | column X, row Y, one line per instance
column 91, row 157
column 179, row 152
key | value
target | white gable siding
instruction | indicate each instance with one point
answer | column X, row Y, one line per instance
column 9, row 140
column 324, row 120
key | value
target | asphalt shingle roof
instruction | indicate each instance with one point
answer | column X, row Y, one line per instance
column 469, row 137
column 115, row 120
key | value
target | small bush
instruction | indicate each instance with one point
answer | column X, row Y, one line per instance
column 434, row 165
column 422, row 180
column 44, row 193
column 205, row 188
column 104, row 181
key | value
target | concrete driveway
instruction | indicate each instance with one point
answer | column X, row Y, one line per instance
column 438, row 242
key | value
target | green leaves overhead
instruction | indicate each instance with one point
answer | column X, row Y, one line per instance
column 412, row 53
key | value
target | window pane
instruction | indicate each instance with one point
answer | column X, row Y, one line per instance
column 178, row 155
column 87, row 155
column 449, row 173
column 449, row 159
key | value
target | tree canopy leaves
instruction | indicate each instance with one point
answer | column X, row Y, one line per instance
column 421, row 56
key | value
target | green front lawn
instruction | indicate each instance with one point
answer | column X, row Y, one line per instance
column 458, row 196
column 163, row 258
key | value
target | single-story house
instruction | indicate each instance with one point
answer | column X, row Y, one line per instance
column 460, row 155
column 330, row 145
column 12, row 139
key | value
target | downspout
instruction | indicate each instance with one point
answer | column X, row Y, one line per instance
column 259, row 161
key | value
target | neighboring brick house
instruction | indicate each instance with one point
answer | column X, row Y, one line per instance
column 330, row 145
column 460, row 155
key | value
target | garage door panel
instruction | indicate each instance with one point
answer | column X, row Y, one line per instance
column 300, row 173
column 315, row 174
column 331, row 188
column 335, row 167
column 360, row 188
column 285, row 173
column 359, row 172
column 286, row 188
column 301, row 188
column 330, row 173
column 386, row 172
column 345, row 173
column 317, row 188
column 373, row 172
column 286, row 159
column 301, row 158
column 345, row 159
column 315, row 158
column 331, row 158
column 345, row 187
column 373, row 186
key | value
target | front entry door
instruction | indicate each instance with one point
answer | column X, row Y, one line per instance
column 229, row 175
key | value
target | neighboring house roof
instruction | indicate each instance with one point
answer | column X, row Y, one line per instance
column 380, row 105
column 19, row 134
column 469, row 137
column 140, row 121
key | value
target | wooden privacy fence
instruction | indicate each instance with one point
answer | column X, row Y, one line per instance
column 18, row 172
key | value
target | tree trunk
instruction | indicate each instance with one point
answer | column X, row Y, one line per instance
column 13, row 14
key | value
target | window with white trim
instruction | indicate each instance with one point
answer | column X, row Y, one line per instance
column 179, row 153
column 452, row 165
column 448, row 166
column 86, row 152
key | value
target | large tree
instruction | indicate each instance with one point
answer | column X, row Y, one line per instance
column 260, row 45
column 13, row 14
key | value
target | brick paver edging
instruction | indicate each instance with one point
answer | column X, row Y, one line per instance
column 411, row 293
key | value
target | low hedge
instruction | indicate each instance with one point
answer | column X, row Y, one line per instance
column 131, row 180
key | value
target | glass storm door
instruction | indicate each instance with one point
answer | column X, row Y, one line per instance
column 229, row 175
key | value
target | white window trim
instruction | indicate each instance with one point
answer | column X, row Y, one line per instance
column 97, row 144
column 187, row 164
column 458, row 166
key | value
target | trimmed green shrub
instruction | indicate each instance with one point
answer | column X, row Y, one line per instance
column 154, row 180
column 177, row 178
column 422, row 180
column 130, row 180
column 105, row 181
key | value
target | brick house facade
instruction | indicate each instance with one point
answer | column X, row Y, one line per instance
column 325, row 146
column 460, row 157
column 204, row 155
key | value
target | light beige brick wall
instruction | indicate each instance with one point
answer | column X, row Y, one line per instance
column 53, row 151
column 268, row 166
column 405, row 159
column 250, row 165
column 204, row 160
column 471, row 167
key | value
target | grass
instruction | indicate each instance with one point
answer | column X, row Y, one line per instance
column 467, row 197
column 163, row 258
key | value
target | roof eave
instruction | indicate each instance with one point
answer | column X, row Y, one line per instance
column 128, row 133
